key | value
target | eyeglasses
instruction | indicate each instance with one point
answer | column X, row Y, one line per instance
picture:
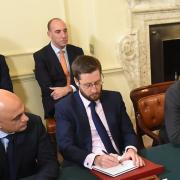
column 91, row 85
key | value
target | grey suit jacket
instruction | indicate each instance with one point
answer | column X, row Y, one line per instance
column 170, row 131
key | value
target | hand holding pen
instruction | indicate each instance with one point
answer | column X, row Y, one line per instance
column 106, row 160
column 119, row 158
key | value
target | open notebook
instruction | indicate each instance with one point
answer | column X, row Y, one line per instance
column 122, row 168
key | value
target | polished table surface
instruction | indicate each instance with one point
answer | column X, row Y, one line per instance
column 166, row 154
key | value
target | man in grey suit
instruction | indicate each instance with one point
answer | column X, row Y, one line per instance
column 48, row 67
column 170, row 131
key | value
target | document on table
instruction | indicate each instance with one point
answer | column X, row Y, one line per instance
column 122, row 168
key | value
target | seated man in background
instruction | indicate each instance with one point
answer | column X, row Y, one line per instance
column 5, row 80
column 170, row 131
column 53, row 66
column 25, row 149
column 93, row 126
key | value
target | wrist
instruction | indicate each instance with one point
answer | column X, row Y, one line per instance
column 130, row 150
column 69, row 89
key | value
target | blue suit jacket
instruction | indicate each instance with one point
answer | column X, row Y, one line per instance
column 73, row 129
column 5, row 80
column 49, row 73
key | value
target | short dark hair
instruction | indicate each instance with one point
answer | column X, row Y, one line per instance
column 85, row 64
column 50, row 21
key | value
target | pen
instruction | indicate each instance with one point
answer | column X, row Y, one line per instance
column 119, row 157
column 105, row 152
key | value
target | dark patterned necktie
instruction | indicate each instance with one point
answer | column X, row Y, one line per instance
column 101, row 129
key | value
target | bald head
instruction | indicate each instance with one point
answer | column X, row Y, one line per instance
column 12, row 117
column 57, row 32
column 8, row 100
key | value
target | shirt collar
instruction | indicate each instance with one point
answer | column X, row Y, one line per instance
column 85, row 101
column 3, row 134
column 57, row 50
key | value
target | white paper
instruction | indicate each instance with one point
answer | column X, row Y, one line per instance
column 122, row 168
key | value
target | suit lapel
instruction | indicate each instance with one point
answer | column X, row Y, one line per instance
column 52, row 57
column 83, row 120
column 110, row 117
column 71, row 57
column 2, row 153
column 19, row 139
column 3, row 163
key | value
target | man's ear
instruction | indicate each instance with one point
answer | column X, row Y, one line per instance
column 76, row 81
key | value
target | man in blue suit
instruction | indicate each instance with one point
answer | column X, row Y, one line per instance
column 5, row 80
column 48, row 67
column 79, row 138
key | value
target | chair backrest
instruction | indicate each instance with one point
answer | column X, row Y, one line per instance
column 148, row 103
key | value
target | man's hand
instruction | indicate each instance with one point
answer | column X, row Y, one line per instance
column 132, row 154
column 59, row 92
column 106, row 161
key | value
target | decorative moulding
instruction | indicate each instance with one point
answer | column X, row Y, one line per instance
column 134, row 48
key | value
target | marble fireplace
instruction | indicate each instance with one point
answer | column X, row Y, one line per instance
column 134, row 47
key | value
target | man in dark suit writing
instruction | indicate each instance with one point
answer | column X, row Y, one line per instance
column 53, row 66
column 5, row 80
column 92, row 124
column 25, row 149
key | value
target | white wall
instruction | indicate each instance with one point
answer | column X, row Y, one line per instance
column 23, row 30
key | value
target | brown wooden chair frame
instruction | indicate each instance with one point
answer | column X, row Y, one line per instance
column 136, row 95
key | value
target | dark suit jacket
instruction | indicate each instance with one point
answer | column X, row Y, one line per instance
column 33, row 153
column 5, row 80
column 49, row 73
column 170, row 131
column 73, row 129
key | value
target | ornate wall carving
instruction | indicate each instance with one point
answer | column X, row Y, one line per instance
column 135, row 48
column 128, row 47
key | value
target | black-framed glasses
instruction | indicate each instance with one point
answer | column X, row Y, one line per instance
column 96, row 84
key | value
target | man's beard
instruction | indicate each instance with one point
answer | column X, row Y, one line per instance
column 92, row 97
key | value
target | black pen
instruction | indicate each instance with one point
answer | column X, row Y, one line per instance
column 105, row 152
column 119, row 157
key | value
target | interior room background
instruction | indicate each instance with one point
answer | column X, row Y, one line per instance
column 114, row 31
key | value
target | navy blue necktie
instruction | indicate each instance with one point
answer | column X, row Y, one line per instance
column 101, row 129
column 11, row 157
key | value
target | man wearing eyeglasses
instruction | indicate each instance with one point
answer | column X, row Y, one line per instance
column 93, row 126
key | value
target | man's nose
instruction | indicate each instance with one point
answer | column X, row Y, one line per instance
column 93, row 88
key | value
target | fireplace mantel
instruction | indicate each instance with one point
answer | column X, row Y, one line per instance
column 153, row 5
column 134, row 47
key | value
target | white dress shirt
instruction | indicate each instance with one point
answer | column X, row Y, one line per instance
column 97, row 144
column 3, row 139
column 57, row 52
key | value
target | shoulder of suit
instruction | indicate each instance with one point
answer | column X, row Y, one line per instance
column 110, row 92
column 72, row 46
column 69, row 99
column 43, row 49
column 2, row 58
column 33, row 119
column 175, row 87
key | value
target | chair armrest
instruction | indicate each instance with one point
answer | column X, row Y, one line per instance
column 51, row 125
column 146, row 131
